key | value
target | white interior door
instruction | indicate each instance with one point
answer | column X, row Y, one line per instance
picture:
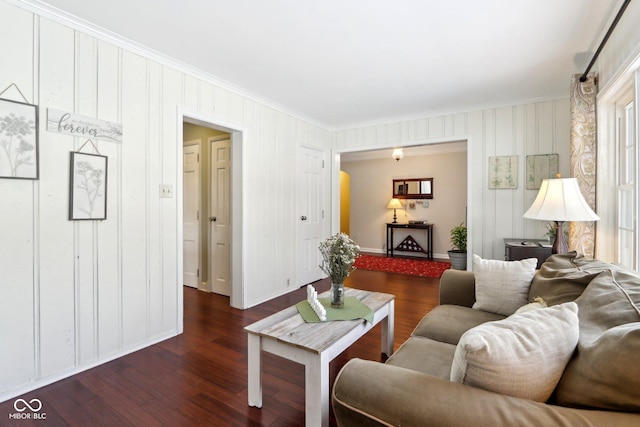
column 310, row 215
column 191, row 213
column 220, row 219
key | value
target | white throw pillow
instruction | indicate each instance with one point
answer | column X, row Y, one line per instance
column 522, row 356
column 502, row 286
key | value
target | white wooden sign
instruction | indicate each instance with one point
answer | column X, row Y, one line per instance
column 77, row 125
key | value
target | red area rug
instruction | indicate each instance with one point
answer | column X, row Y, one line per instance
column 414, row 267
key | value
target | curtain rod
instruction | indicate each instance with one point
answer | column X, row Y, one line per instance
column 583, row 78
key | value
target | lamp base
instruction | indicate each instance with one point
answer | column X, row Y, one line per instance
column 395, row 218
column 560, row 245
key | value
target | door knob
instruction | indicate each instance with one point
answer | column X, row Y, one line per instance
column 304, row 218
column 213, row 218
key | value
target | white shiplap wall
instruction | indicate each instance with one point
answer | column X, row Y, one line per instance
column 534, row 128
column 621, row 50
column 75, row 294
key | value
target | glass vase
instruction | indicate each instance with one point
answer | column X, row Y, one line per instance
column 337, row 295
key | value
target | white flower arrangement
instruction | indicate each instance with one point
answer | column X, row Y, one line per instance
column 339, row 253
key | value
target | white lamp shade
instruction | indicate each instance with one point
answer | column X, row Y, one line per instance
column 560, row 200
column 394, row 204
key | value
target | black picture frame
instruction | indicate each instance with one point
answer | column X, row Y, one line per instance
column 19, row 149
column 413, row 188
column 88, row 186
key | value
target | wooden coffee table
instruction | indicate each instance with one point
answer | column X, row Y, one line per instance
column 314, row 345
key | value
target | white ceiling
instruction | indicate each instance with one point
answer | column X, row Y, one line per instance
column 344, row 63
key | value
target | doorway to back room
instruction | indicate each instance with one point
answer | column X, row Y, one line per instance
column 207, row 216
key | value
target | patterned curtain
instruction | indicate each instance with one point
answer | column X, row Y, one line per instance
column 583, row 158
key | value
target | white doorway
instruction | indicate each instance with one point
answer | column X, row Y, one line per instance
column 310, row 215
column 236, row 134
column 220, row 215
column 191, row 213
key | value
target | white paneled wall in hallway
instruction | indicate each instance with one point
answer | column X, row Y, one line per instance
column 78, row 293
column 521, row 130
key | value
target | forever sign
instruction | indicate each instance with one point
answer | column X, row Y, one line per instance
column 77, row 125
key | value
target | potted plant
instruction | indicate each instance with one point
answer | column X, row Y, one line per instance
column 339, row 253
column 458, row 255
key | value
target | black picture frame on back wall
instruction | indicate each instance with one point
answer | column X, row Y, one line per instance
column 413, row 188
column 88, row 187
column 18, row 140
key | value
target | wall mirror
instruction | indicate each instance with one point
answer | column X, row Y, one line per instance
column 413, row 188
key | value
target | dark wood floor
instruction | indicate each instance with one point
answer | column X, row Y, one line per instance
column 200, row 377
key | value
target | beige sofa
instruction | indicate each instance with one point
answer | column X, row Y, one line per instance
column 599, row 386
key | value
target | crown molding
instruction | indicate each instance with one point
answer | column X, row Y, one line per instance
column 451, row 111
column 60, row 16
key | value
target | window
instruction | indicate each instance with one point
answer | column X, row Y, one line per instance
column 627, row 236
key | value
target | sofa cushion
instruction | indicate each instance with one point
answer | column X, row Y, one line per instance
column 563, row 277
column 523, row 355
column 424, row 355
column 502, row 286
column 605, row 372
column 447, row 323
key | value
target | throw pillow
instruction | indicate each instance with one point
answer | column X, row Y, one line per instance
column 563, row 277
column 605, row 373
column 522, row 356
column 502, row 286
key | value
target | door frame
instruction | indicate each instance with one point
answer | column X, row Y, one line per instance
column 335, row 178
column 238, row 135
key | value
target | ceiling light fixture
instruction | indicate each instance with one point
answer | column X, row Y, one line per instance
column 397, row 154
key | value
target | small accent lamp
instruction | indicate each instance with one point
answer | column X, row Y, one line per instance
column 394, row 204
column 397, row 154
column 560, row 200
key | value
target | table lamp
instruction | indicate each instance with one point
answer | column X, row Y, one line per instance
column 394, row 204
column 560, row 200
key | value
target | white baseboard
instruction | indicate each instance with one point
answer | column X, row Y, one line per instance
column 76, row 370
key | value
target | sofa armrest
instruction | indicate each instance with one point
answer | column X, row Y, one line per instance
column 458, row 287
column 368, row 393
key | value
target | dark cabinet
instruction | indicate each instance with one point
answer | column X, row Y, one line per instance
column 516, row 249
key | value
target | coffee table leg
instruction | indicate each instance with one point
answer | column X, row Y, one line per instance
column 316, row 390
column 388, row 331
column 253, row 371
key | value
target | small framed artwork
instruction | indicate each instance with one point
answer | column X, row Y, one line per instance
column 539, row 167
column 503, row 172
column 88, row 187
column 18, row 140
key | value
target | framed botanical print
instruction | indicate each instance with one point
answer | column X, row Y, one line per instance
column 18, row 140
column 88, row 187
column 503, row 172
column 539, row 167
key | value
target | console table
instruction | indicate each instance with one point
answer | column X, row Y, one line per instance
column 428, row 228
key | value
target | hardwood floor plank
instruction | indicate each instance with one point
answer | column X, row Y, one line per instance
column 200, row 377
